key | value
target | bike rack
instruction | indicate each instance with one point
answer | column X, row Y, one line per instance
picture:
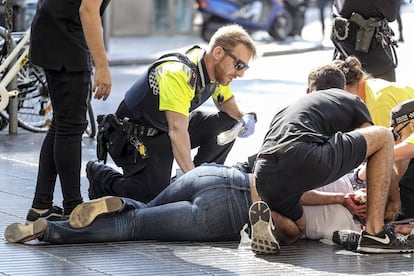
column 12, row 102
column 8, row 84
column 5, row 95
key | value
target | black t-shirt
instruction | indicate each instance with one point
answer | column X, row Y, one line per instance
column 57, row 40
column 314, row 118
column 381, row 9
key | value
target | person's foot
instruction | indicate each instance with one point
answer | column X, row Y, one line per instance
column 21, row 233
column 91, row 167
column 264, row 240
column 348, row 239
column 85, row 213
column 385, row 242
column 53, row 213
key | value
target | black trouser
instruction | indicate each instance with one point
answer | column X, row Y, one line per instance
column 60, row 154
column 407, row 192
column 143, row 179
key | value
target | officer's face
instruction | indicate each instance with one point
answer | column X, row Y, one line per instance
column 233, row 63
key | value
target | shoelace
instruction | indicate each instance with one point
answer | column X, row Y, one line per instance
column 403, row 239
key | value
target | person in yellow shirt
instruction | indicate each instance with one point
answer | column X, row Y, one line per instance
column 158, row 120
column 379, row 95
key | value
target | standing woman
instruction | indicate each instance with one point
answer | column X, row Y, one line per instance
column 66, row 40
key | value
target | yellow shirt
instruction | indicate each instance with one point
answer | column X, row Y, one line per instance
column 175, row 90
column 381, row 96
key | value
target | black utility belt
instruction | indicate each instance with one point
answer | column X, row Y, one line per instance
column 366, row 30
column 139, row 129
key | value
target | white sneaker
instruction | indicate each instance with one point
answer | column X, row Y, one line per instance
column 264, row 240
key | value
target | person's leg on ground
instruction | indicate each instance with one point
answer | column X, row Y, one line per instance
column 206, row 204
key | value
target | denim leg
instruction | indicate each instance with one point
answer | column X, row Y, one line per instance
column 210, row 203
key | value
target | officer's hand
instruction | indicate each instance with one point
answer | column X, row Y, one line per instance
column 248, row 124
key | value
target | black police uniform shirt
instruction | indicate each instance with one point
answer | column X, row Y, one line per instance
column 57, row 39
column 315, row 118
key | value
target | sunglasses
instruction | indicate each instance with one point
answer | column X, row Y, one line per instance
column 239, row 65
column 397, row 133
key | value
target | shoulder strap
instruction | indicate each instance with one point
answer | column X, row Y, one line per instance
column 175, row 57
column 178, row 57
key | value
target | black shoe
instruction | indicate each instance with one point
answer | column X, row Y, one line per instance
column 385, row 242
column 264, row 240
column 54, row 213
column 348, row 239
column 91, row 167
column 21, row 233
column 85, row 213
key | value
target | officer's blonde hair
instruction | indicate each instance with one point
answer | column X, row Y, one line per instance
column 230, row 36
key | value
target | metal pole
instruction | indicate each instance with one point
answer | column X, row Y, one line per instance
column 13, row 102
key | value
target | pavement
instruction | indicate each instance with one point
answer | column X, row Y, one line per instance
column 18, row 170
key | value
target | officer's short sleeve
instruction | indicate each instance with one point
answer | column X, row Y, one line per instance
column 222, row 93
column 176, row 92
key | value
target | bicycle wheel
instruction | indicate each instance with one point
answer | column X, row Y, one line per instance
column 34, row 107
column 35, row 110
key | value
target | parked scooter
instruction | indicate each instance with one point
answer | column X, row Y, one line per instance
column 266, row 15
column 296, row 9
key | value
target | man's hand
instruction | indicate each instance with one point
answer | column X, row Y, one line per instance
column 355, row 205
column 249, row 121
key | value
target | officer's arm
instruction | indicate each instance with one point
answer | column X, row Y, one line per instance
column 180, row 139
column 231, row 108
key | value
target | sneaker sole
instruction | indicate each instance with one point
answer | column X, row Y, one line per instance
column 383, row 250
column 20, row 233
column 263, row 241
column 85, row 213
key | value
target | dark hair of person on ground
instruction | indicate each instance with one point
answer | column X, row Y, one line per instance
column 352, row 69
column 325, row 77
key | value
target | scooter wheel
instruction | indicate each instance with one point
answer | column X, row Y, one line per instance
column 210, row 26
column 281, row 26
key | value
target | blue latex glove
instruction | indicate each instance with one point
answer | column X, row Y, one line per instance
column 249, row 122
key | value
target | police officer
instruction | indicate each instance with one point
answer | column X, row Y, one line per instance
column 157, row 120
column 361, row 29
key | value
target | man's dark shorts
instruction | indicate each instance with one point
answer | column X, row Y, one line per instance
column 282, row 177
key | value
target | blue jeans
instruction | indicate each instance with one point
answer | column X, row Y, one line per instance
column 209, row 203
column 144, row 179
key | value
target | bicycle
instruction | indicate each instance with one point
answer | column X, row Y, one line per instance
column 34, row 111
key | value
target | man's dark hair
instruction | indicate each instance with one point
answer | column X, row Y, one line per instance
column 325, row 77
